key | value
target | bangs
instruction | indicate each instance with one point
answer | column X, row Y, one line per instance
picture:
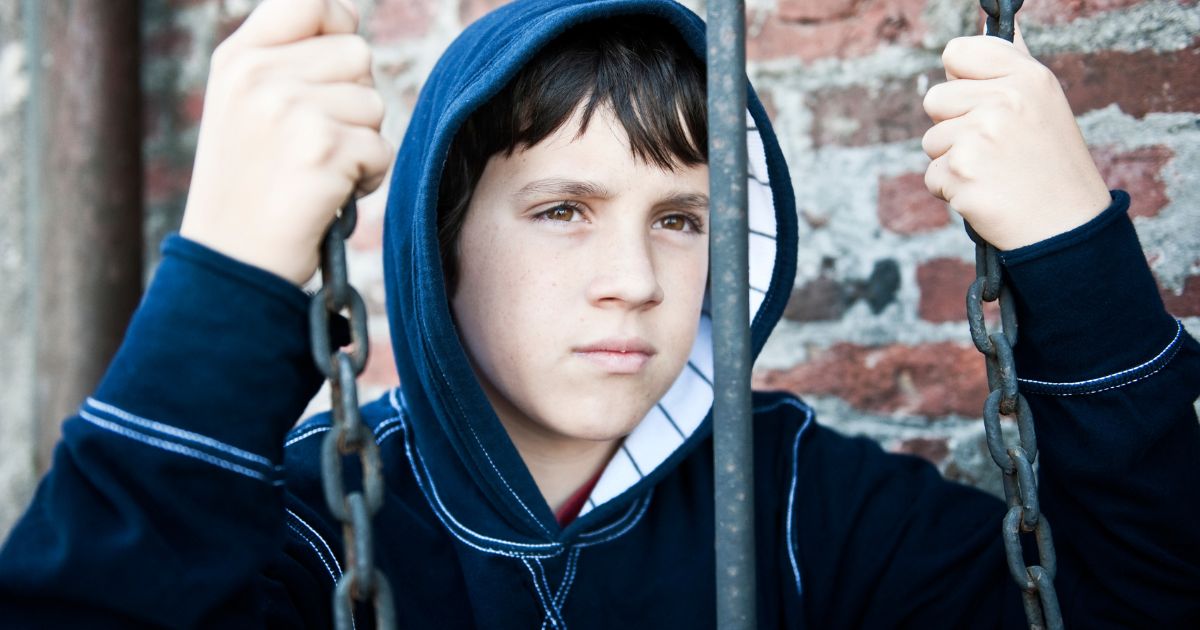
column 642, row 71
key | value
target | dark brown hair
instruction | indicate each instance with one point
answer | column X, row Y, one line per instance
column 638, row 67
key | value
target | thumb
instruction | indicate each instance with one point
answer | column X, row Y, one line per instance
column 276, row 22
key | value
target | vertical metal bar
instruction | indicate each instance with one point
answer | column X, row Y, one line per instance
column 728, row 271
column 89, row 195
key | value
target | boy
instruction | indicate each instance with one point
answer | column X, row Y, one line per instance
column 546, row 456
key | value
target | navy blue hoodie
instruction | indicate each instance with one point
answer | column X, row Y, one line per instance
column 181, row 494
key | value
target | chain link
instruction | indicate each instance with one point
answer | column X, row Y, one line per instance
column 1016, row 462
column 348, row 436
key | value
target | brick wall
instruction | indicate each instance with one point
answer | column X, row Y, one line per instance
column 875, row 334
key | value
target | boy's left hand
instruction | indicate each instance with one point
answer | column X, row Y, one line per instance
column 1007, row 154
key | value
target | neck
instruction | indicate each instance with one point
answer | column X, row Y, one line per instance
column 559, row 464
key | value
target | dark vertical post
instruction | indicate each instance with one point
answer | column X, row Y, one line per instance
column 89, row 197
column 728, row 271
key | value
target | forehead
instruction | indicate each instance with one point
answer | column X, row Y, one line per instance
column 595, row 160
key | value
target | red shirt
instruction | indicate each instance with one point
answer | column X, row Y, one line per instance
column 571, row 507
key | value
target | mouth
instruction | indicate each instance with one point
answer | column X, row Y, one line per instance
column 617, row 356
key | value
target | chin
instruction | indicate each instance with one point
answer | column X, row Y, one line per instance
column 598, row 422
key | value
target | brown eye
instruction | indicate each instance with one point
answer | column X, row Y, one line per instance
column 562, row 213
column 674, row 222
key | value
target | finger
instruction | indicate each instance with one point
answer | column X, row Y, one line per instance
column 937, row 179
column 368, row 157
column 348, row 103
column 277, row 22
column 981, row 57
column 955, row 98
column 940, row 137
column 324, row 59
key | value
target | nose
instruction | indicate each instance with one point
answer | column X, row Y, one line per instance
column 624, row 273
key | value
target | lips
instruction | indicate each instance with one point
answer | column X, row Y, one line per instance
column 617, row 355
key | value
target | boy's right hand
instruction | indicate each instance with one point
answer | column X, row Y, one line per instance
column 290, row 130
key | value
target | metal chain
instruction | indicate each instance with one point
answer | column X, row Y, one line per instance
column 1015, row 461
column 362, row 582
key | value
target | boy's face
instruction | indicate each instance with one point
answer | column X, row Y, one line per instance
column 582, row 272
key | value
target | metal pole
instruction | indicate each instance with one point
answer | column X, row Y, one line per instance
column 89, row 197
column 728, row 271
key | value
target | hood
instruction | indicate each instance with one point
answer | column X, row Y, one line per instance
column 466, row 464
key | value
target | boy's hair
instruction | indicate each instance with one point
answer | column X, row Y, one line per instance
column 639, row 68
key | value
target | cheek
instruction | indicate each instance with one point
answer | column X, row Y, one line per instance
column 505, row 295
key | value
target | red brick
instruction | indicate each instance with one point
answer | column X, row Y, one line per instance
column 1186, row 303
column 471, row 10
column 860, row 115
column 906, row 207
column 396, row 20
column 799, row 31
column 935, row 450
column 943, row 283
column 933, row 379
column 1139, row 172
column 816, row 10
column 1138, row 82
column 1062, row 11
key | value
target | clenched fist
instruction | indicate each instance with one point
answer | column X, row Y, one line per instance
column 1007, row 154
column 290, row 130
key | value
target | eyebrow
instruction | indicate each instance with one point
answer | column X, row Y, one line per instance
column 686, row 201
column 563, row 188
column 558, row 187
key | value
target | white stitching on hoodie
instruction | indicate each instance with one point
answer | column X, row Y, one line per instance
column 545, row 550
column 1081, row 387
column 174, row 447
column 176, row 432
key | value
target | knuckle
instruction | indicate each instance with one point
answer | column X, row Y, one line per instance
column 319, row 146
column 932, row 182
column 927, row 142
column 246, row 69
column 273, row 103
column 990, row 127
column 223, row 55
column 952, row 50
column 961, row 165
column 376, row 106
column 1043, row 76
column 931, row 99
column 358, row 53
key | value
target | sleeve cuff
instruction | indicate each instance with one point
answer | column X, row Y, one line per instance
column 217, row 355
column 1088, row 307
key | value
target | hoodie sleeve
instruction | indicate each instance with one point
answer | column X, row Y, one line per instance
column 165, row 501
column 1111, row 378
